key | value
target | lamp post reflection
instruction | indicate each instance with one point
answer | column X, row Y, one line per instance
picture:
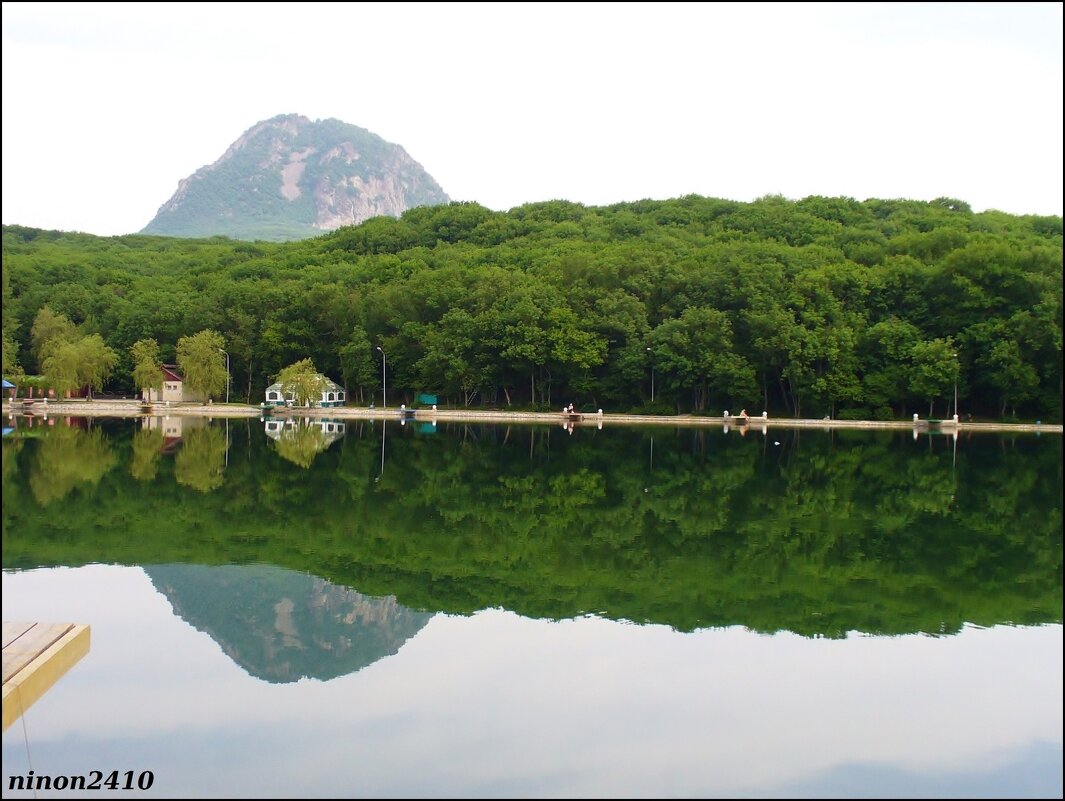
column 381, row 471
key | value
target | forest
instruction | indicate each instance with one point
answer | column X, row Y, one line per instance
column 824, row 306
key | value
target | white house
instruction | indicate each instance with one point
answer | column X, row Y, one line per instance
column 174, row 388
column 332, row 394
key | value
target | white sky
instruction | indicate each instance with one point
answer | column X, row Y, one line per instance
column 107, row 106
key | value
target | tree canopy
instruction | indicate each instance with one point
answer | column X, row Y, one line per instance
column 302, row 381
column 202, row 362
column 810, row 307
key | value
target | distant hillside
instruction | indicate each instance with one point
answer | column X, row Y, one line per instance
column 291, row 178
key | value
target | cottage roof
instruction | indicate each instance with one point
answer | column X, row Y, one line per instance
column 171, row 372
column 328, row 385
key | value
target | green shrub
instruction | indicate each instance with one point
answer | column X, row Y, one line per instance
column 854, row 413
column 883, row 413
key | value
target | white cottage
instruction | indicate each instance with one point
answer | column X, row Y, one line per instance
column 173, row 389
column 332, row 394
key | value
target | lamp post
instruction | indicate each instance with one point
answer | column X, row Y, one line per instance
column 384, row 386
column 956, row 371
column 652, row 378
column 227, row 372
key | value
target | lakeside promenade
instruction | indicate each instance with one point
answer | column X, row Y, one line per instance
column 134, row 408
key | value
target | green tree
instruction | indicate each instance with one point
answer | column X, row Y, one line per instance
column 50, row 331
column 86, row 362
column 147, row 372
column 696, row 352
column 886, row 352
column 1010, row 374
column 935, row 369
column 201, row 361
column 62, row 368
column 11, row 367
column 97, row 361
column 302, row 381
column 357, row 367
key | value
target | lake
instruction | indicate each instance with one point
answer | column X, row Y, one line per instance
column 350, row 608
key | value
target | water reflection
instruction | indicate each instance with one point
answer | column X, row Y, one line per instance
column 497, row 705
column 148, row 445
column 68, row 457
column 814, row 533
column 201, row 460
column 280, row 625
column 300, row 440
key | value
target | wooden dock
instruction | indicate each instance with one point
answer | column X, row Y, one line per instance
column 36, row 655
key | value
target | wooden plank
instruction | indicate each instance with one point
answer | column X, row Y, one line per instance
column 35, row 641
column 12, row 631
column 29, row 683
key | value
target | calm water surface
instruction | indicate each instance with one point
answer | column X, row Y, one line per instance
column 492, row 611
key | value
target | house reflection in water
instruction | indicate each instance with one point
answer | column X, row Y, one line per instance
column 332, row 429
column 173, row 428
column 301, row 439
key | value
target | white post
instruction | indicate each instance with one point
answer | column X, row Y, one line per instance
column 384, row 384
column 955, row 391
column 652, row 379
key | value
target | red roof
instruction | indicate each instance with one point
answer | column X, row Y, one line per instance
column 170, row 373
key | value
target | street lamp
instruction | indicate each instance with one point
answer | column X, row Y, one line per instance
column 652, row 379
column 384, row 386
column 956, row 371
column 227, row 373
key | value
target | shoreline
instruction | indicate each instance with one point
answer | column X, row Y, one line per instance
column 132, row 408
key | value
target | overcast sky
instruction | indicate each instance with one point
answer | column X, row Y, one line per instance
column 106, row 107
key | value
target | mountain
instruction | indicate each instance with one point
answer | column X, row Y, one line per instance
column 281, row 625
column 291, row 178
